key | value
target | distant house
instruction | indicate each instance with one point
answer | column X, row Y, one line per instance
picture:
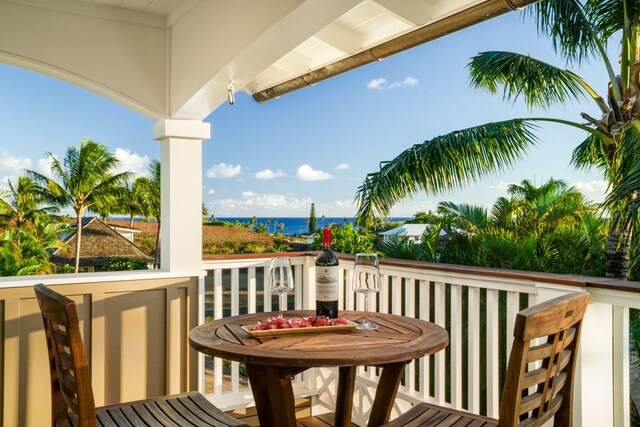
column 101, row 244
column 413, row 232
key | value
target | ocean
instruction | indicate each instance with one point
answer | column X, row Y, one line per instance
column 295, row 226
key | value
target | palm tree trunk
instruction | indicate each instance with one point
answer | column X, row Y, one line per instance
column 131, row 221
column 78, row 239
column 617, row 254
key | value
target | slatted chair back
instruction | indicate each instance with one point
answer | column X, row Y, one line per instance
column 540, row 375
column 71, row 391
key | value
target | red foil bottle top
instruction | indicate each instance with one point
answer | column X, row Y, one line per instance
column 326, row 237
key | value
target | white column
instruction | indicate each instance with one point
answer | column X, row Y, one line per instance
column 181, row 207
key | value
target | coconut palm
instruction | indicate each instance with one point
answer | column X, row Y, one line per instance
column 579, row 32
column 22, row 204
column 133, row 200
column 83, row 178
column 150, row 189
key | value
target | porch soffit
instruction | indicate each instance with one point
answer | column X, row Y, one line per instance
column 175, row 58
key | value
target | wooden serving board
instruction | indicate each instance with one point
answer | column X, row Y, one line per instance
column 307, row 330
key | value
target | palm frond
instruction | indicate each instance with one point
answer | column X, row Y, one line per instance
column 608, row 16
column 571, row 29
column 591, row 153
column 624, row 187
column 541, row 84
column 465, row 216
column 567, row 24
column 444, row 163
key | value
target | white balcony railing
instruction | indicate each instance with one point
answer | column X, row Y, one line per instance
column 476, row 305
column 135, row 328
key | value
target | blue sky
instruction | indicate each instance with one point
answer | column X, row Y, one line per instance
column 316, row 144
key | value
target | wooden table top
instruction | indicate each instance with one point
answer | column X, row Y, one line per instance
column 399, row 339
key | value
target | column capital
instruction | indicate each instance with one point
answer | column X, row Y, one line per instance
column 183, row 129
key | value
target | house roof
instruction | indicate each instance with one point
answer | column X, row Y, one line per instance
column 100, row 244
column 411, row 230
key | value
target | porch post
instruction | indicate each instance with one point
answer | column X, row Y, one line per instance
column 181, row 193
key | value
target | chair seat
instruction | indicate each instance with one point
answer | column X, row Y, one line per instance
column 425, row 415
column 180, row 410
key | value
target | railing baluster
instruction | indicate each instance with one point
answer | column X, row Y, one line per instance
column 235, row 292
column 423, row 292
column 473, row 381
column 348, row 299
column 410, row 310
column 385, row 289
column 396, row 294
column 299, row 287
column 251, row 290
column 513, row 306
column 439, row 305
column 492, row 354
column 455, row 343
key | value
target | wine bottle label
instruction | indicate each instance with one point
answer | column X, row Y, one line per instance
column 326, row 283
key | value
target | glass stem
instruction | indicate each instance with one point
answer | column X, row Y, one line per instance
column 366, row 308
column 283, row 303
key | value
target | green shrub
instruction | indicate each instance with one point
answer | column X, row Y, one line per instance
column 125, row 264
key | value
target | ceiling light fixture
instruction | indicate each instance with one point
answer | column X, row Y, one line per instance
column 230, row 96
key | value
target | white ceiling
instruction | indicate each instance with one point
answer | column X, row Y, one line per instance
column 175, row 58
column 368, row 24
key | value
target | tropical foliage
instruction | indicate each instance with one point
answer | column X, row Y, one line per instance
column 579, row 32
column 81, row 181
column 346, row 240
column 549, row 228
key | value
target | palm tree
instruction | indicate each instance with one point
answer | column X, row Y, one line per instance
column 150, row 188
column 133, row 200
column 81, row 180
column 578, row 33
column 22, row 204
column 550, row 228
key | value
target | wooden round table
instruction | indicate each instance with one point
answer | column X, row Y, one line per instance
column 272, row 361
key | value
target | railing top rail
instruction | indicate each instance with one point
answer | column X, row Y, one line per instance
column 561, row 279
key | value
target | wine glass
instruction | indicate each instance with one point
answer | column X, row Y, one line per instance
column 281, row 279
column 366, row 280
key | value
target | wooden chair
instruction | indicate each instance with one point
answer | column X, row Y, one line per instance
column 560, row 321
column 72, row 396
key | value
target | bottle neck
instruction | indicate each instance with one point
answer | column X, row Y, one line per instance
column 326, row 238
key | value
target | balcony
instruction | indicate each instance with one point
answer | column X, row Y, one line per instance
column 135, row 328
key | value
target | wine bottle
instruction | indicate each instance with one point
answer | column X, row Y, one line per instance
column 327, row 279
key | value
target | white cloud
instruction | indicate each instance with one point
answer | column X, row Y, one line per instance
column 501, row 185
column 383, row 84
column 269, row 174
column 223, row 170
column 410, row 82
column 252, row 203
column 342, row 167
column 377, row 83
column 307, row 173
column 590, row 187
column 210, row 192
column 131, row 162
column 13, row 165
column 43, row 166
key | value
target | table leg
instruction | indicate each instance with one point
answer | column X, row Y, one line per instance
column 386, row 393
column 273, row 394
column 344, row 398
